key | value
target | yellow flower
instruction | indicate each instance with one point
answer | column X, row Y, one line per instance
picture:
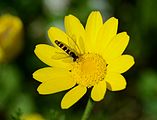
column 10, row 37
column 34, row 116
column 83, row 58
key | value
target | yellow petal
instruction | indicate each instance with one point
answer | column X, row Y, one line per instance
column 116, row 47
column 73, row 96
column 115, row 81
column 76, row 31
column 49, row 73
column 56, row 85
column 46, row 53
column 94, row 23
column 121, row 64
column 99, row 91
column 57, row 34
column 106, row 34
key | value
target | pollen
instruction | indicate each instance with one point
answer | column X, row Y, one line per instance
column 89, row 69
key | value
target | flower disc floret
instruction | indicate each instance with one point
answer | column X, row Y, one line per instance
column 89, row 69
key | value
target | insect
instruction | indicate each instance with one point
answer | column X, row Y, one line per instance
column 67, row 50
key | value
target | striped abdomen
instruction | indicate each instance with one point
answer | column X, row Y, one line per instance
column 66, row 49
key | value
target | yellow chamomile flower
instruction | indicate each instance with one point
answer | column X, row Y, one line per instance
column 83, row 58
column 10, row 37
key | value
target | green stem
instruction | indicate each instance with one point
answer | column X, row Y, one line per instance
column 88, row 109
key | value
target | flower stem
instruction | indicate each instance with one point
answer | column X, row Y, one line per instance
column 88, row 109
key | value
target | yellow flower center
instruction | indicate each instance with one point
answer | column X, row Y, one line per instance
column 89, row 69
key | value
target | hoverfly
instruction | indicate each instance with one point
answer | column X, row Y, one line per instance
column 68, row 50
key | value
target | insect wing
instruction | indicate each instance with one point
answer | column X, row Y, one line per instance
column 59, row 55
column 81, row 45
column 72, row 43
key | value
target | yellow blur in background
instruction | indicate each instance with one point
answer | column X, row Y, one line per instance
column 34, row 116
column 11, row 37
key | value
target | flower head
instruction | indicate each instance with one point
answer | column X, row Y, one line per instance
column 83, row 58
column 10, row 37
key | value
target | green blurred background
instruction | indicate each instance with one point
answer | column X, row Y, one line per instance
column 18, row 94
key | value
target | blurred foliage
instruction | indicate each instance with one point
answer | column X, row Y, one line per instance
column 137, row 102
